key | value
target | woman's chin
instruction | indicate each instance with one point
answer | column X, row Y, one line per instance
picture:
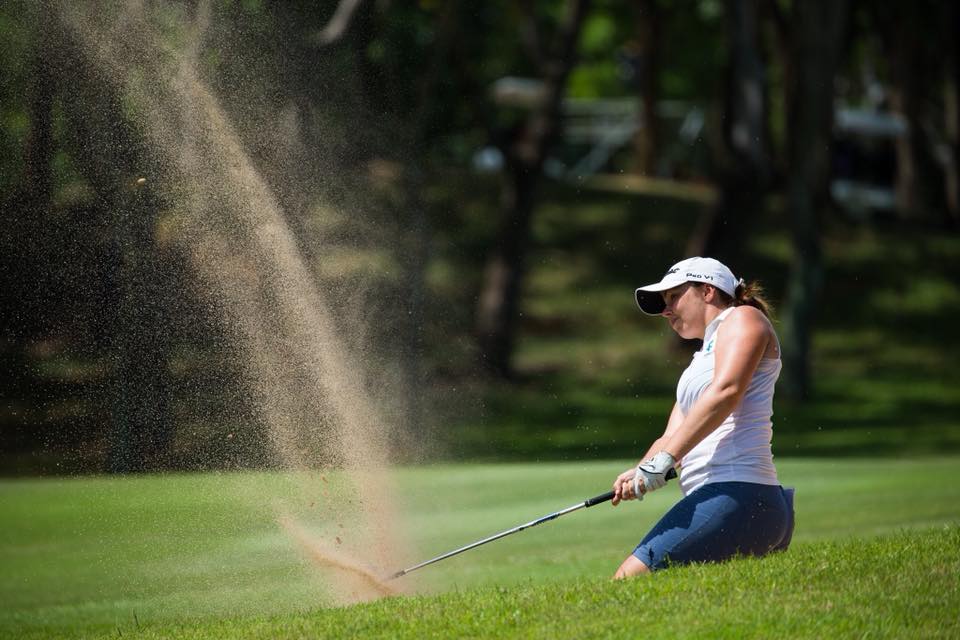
column 686, row 335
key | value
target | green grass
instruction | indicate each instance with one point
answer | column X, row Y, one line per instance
column 903, row 585
column 202, row 556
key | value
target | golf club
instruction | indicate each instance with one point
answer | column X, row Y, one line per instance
column 672, row 473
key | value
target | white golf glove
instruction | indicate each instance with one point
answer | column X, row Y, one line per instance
column 653, row 472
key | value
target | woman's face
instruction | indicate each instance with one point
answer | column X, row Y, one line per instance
column 684, row 310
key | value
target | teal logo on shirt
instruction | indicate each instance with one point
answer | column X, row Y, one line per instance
column 709, row 346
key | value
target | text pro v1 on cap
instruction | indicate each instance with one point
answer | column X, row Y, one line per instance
column 697, row 269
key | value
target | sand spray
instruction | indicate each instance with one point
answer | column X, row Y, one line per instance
column 307, row 386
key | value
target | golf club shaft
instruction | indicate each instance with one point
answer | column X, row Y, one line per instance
column 604, row 497
column 496, row 536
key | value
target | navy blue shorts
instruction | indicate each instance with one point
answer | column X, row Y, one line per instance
column 719, row 521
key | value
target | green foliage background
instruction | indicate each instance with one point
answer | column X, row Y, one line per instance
column 594, row 379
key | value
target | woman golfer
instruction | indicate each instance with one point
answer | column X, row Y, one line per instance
column 719, row 429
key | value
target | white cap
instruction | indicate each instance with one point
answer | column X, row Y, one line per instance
column 696, row 269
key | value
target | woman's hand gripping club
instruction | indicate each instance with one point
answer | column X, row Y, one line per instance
column 649, row 475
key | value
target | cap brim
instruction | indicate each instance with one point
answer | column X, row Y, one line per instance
column 651, row 302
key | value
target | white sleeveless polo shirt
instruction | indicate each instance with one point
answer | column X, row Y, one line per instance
column 739, row 449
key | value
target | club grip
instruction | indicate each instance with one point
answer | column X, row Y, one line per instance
column 604, row 497
column 598, row 499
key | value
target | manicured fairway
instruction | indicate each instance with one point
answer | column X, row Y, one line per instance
column 95, row 556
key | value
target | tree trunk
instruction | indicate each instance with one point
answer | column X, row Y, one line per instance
column 38, row 174
column 499, row 299
column 906, row 31
column 647, row 78
column 498, row 305
column 111, row 156
column 417, row 253
column 742, row 163
column 904, row 98
column 24, row 309
column 951, row 184
column 37, row 190
column 817, row 28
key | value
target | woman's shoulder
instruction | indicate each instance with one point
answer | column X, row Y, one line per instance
column 746, row 313
column 747, row 327
column 746, row 321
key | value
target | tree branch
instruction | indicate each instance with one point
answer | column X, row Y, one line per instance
column 339, row 23
column 778, row 19
column 530, row 36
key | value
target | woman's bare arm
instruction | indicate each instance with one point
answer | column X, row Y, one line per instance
column 673, row 423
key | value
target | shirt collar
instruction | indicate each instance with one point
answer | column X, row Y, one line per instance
column 714, row 325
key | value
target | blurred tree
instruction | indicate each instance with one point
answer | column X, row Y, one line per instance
column 814, row 35
column 27, row 94
column 111, row 155
column 915, row 44
column 644, row 60
column 951, row 114
column 403, row 56
column 32, row 202
column 742, row 164
column 65, row 281
column 498, row 304
column 414, row 132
